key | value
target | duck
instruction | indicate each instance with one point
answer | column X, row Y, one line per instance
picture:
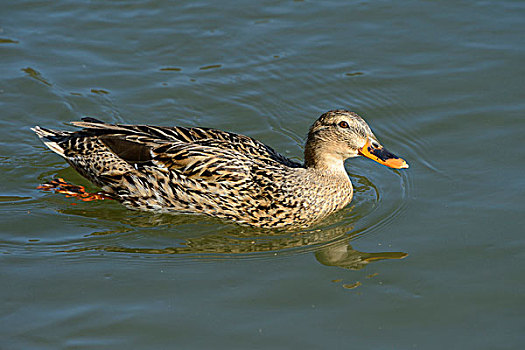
column 197, row 170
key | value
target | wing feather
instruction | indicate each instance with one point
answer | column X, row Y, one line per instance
column 197, row 136
column 202, row 162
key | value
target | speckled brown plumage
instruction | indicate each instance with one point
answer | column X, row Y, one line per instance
column 217, row 173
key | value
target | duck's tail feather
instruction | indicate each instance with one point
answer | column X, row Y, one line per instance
column 52, row 138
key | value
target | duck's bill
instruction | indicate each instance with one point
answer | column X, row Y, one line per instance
column 382, row 156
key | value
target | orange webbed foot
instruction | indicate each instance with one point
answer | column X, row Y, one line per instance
column 59, row 185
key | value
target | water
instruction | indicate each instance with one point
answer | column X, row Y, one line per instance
column 427, row 258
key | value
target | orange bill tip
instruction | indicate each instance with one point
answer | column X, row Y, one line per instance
column 382, row 156
column 398, row 163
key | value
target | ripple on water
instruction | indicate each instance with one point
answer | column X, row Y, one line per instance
column 8, row 41
column 12, row 199
column 33, row 73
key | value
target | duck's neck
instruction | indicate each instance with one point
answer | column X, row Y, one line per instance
column 326, row 163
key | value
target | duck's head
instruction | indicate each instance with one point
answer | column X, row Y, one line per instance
column 340, row 134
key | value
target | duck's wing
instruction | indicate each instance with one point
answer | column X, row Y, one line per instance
column 104, row 153
column 202, row 163
column 205, row 137
column 200, row 154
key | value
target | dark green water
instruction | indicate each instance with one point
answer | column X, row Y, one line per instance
column 442, row 85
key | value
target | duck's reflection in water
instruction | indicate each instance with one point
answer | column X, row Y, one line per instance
column 330, row 244
column 342, row 254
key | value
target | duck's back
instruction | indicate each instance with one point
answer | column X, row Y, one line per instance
column 147, row 135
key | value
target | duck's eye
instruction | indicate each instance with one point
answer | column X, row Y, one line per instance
column 343, row 124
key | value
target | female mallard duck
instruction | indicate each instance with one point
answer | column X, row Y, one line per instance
column 221, row 174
